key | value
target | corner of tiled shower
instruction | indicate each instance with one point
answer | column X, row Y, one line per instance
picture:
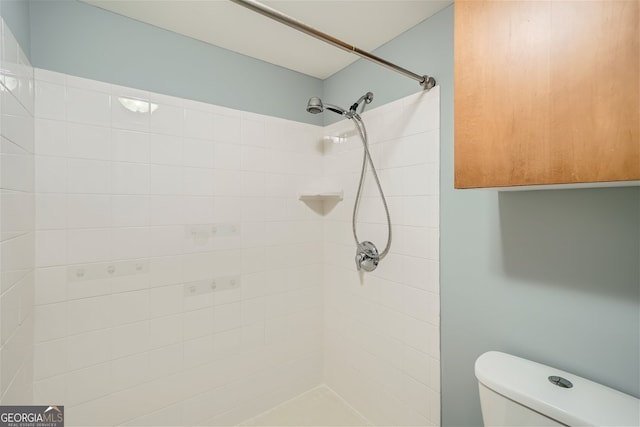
column 179, row 281
column 16, row 222
column 381, row 334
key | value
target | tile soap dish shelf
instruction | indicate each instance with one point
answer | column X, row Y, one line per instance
column 321, row 202
column 333, row 196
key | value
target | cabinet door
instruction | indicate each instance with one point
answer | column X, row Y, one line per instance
column 546, row 92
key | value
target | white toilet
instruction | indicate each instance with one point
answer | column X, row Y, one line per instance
column 519, row 392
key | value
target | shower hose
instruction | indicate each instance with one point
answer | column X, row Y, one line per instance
column 367, row 158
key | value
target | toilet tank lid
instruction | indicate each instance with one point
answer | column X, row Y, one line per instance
column 585, row 404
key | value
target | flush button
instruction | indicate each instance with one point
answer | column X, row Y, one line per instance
column 560, row 382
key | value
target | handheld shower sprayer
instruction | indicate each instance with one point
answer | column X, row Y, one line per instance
column 367, row 255
column 316, row 106
column 367, row 98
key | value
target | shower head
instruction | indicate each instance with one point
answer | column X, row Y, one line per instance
column 315, row 106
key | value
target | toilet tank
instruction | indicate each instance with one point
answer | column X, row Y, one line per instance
column 519, row 392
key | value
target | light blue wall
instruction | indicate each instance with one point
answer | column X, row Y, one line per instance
column 547, row 275
column 15, row 14
column 78, row 39
column 550, row 276
column 424, row 49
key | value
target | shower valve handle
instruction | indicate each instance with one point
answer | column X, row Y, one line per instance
column 367, row 256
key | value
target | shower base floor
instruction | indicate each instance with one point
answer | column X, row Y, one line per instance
column 320, row 406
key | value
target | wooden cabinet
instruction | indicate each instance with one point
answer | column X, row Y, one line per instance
column 546, row 92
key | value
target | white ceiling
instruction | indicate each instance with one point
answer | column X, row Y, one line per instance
column 366, row 24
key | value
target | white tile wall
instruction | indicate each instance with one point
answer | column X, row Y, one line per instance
column 17, row 216
column 118, row 336
column 117, row 189
column 382, row 328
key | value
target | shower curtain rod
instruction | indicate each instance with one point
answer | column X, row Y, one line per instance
column 425, row 81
